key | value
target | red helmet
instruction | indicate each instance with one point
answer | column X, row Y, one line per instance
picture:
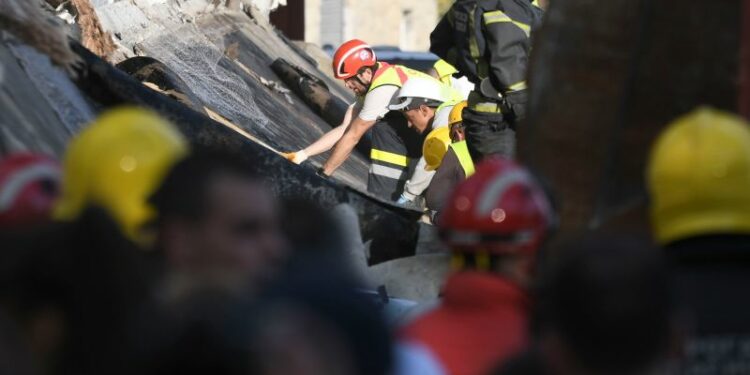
column 500, row 209
column 29, row 186
column 352, row 56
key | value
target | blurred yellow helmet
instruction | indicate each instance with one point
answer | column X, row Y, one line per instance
column 435, row 146
column 699, row 177
column 116, row 164
column 444, row 71
column 456, row 113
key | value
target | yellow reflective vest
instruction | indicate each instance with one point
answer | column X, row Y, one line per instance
column 464, row 157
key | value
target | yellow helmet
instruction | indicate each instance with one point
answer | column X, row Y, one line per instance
column 435, row 146
column 444, row 71
column 117, row 163
column 455, row 115
column 699, row 176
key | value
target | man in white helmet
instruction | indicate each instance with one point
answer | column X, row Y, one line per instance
column 426, row 103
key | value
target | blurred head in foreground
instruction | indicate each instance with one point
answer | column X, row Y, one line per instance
column 217, row 222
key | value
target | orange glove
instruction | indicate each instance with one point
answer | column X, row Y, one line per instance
column 296, row 157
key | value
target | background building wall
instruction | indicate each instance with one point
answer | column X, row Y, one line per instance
column 402, row 23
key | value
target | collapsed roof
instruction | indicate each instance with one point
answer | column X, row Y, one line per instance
column 205, row 66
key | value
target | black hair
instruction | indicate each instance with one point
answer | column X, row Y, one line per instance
column 184, row 191
column 609, row 300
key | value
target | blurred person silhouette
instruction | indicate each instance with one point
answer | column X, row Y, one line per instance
column 699, row 184
column 15, row 354
column 316, row 321
column 29, row 186
column 494, row 223
column 75, row 284
column 116, row 164
column 217, row 225
column 605, row 306
column 310, row 229
column 209, row 331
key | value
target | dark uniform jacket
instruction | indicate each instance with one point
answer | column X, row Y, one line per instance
column 488, row 39
column 444, row 181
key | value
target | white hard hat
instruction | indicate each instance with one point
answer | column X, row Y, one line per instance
column 426, row 88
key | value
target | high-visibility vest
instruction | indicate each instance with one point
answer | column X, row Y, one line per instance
column 450, row 103
column 395, row 75
column 464, row 157
column 444, row 71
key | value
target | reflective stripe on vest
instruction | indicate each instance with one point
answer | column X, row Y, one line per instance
column 389, row 157
column 395, row 75
column 464, row 157
column 444, row 70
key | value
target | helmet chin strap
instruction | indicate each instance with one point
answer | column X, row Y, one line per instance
column 366, row 85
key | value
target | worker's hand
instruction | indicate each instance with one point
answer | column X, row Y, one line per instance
column 298, row 157
column 403, row 200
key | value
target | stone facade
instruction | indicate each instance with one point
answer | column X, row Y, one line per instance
column 401, row 23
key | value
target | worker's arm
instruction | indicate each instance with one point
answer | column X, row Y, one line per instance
column 374, row 106
column 327, row 141
column 420, row 179
column 418, row 182
column 508, row 46
column 344, row 147
column 508, row 50
column 441, row 39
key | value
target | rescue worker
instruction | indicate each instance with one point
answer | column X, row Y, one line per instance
column 455, row 166
column 426, row 104
column 29, row 187
column 436, row 144
column 445, row 73
column 699, row 185
column 395, row 148
column 457, row 128
column 488, row 42
column 494, row 224
column 116, row 164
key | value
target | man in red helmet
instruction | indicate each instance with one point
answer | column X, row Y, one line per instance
column 395, row 148
column 494, row 223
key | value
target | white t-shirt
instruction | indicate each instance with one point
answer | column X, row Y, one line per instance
column 375, row 104
column 462, row 85
column 442, row 117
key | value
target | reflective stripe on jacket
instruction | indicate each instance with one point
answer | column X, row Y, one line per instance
column 488, row 39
